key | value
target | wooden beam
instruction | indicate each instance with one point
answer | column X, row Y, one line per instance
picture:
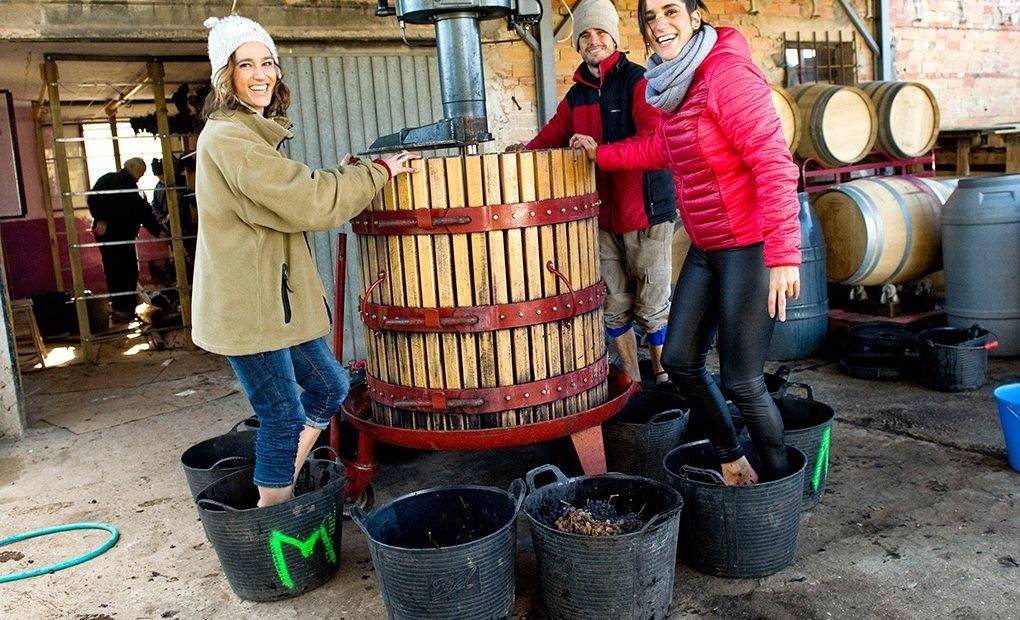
column 156, row 74
column 63, row 175
column 44, row 178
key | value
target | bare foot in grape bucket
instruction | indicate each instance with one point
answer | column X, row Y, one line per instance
column 739, row 473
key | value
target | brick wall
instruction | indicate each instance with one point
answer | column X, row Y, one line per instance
column 969, row 59
column 970, row 66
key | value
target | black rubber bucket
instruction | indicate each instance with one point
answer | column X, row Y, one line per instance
column 207, row 461
column 446, row 553
column 736, row 531
column 650, row 425
column 808, row 426
column 953, row 359
column 625, row 576
column 281, row 551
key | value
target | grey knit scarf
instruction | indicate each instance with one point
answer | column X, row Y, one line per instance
column 668, row 81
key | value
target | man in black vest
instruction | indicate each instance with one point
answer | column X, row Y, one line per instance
column 607, row 102
column 117, row 217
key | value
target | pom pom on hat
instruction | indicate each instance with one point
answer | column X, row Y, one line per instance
column 226, row 34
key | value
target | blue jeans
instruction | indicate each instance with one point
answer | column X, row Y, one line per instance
column 270, row 380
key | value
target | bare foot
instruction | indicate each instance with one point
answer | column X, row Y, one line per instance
column 739, row 473
column 271, row 497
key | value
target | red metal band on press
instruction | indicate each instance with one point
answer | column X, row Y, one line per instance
column 471, row 319
column 456, row 220
column 489, row 400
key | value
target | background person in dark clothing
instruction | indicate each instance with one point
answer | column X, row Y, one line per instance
column 118, row 217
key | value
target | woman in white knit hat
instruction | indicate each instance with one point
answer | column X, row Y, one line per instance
column 258, row 298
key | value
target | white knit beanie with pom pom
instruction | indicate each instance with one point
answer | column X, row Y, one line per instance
column 226, row 34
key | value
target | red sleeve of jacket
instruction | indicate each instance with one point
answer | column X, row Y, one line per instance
column 557, row 132
column 646, row 116
column 646, row 149
column 741, row 101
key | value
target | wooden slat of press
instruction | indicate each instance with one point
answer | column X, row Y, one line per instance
column 369, row 256
column 398, row 345
column 498, row 280
column 432, row 362
column 562, row 262
column 449, row 352
column 414, row 349
column 517, row 283
column 462, row 284
column 536, row 353
column 547, row 248
column 583, row 184
column 574, row 268
column 475, row 195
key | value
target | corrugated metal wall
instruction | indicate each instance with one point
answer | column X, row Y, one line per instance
column 341, row 102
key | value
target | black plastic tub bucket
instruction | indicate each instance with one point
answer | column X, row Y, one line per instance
column 808, row 426
column 625, row 576
column 207, row 461
column 650, row 425
column 446, row 553
column 954, row 359
column 281, row 551
column 736, row 531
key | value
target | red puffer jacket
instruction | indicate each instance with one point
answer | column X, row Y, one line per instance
column 736, row 182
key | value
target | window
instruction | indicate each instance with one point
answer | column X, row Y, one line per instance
column 812, row 60
column 99, row 152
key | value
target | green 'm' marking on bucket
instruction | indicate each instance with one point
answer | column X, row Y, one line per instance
column 278, row 539
column 822, row 462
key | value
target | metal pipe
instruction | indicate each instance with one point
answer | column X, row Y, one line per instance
column 545, row 69
column 884, row 62
column 148, row 136
column 102, row 244
column 461, row 76
column 99, row 192
column 855, row 19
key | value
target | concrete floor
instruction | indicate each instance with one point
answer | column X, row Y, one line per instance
column 920, row 518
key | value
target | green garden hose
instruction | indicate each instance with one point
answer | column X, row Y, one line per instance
column 52, row 568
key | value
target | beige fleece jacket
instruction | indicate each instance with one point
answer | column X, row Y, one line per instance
column 256, row 287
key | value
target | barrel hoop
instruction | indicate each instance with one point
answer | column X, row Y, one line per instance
column 869, row 211
column 471, row 319
column 489, row 400
column 908, row 228
column 817, row 114
column 457, row 220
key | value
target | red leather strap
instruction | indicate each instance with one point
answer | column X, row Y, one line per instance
column 477, row 219
column 489, row 400
column 471, row 319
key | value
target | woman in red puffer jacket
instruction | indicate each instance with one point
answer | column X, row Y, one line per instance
column 736, row 185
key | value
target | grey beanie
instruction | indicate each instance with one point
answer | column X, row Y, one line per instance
column 599, row 14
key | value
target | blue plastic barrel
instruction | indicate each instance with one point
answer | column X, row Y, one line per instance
column 807, row 317
column 1008, row 398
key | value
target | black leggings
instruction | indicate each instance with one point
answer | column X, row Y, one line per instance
column 726, row 290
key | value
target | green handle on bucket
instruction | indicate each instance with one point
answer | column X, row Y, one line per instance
column 518, row 490
column 541, row 469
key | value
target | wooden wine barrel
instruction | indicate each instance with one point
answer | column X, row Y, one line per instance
column 838, row 123
column 789, row 117
column 908, row 117
column 881, row 230
column 482, row 294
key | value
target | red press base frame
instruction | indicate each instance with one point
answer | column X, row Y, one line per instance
column 585, row 430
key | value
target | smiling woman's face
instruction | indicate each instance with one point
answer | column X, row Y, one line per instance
column 254, row 75
column 668, row 26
